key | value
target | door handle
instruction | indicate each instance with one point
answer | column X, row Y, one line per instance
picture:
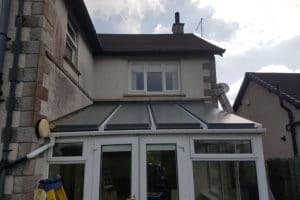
column 131, row 197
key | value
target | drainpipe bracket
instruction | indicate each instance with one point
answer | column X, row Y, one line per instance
column 19, row 20
column 288, row 127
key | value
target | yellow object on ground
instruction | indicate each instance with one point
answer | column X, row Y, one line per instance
column 50, row 189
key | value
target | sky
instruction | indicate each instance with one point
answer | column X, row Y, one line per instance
column 258, row 35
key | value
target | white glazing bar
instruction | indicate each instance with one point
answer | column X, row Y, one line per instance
column 263, row 187
column 102, row 126
column 153, row 125
column 203, row 125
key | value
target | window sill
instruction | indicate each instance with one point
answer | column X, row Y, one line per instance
column 72, row 65
column 154, row 95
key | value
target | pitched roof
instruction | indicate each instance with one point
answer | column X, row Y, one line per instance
column 288, row 84
column 138, row 43
column 110, row 116
column 156, row 43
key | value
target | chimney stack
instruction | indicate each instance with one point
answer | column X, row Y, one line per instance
column 177, row 27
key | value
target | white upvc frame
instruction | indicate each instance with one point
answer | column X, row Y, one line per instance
column 185, row 156
column 162, row 68
column 73, row 160
column 256, row 156
column 72, row 42
column 52, row 158
column 184, row 164
column 97, row 162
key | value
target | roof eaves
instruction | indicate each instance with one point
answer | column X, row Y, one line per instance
column 271, row 88
column 85, row 22
column 162, row 51
column 220, row 50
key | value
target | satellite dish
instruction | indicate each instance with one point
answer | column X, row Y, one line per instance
column 42, row 128
column 224, row 87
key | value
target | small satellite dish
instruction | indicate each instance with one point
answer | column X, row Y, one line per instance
column 42, row 128
column 224, row 87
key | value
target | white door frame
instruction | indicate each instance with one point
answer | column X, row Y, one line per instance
column 184, row 165
column 96, row 168
column 185, row 156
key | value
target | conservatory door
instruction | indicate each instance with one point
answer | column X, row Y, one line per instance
column 165, row 168
column 115, row 171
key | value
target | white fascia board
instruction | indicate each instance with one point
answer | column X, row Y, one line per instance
column 159, row 132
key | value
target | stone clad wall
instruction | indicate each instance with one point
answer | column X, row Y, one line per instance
column 44, row 91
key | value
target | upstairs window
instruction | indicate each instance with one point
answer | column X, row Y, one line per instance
column 154, row 77
column 71, row 44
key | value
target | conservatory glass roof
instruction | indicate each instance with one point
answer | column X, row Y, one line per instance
column 108, row 116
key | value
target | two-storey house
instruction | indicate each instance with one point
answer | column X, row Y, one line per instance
column 132, row 114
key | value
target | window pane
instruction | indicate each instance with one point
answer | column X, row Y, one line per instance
column 137, row 80
column 69, row 51
column 73, row 186
column 137, row 76
column 116, row 172
column 67, row 149
column 162, row 172
column 222, row 146
column 71, row 32
column 154, row 81
column 171, row 80
column 225, row 180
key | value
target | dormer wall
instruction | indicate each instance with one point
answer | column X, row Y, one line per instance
column 113, row 79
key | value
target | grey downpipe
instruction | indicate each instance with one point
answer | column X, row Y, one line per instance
column 13, row 76
column 4, row 18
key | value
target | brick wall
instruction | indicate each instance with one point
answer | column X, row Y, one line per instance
column 44, row 90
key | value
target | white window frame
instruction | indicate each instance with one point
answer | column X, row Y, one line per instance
column 68, row 159
column 72, row 42
column 72, row 160
column 256, row 156
column 222, row 156
column 97, row 161
column 163, row 68
column 184, row 166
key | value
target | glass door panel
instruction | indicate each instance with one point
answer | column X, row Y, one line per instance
column 114, row 168
column 162, row 172
column 115, row 172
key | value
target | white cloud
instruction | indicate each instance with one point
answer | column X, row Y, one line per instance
column 161, row 29
column 278, row 68
column 261, row 22
column 132, row 12
column 234, row 88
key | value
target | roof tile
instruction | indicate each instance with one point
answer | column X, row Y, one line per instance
column 147, row 43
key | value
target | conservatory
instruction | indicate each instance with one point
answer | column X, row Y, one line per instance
column 158, row 151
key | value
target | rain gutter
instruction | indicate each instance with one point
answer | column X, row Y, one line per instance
column 258, row 130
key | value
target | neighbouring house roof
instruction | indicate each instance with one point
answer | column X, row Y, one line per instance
column 146, row 115
column 288, row 84
column 156, row 43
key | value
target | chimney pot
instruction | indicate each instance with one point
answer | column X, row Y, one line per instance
column 177, row 27
column 177, row 18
